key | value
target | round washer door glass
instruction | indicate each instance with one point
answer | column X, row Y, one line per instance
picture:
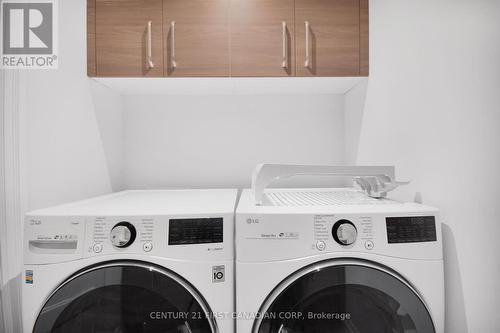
column 342, row 298
column 125, row 298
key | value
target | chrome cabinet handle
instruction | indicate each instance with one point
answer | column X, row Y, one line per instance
column 149, row 47
column 284, row 63
column 173, row 63
column 306, row 63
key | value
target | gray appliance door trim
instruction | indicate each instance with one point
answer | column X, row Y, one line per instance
column 329, row 263
column 149, row 267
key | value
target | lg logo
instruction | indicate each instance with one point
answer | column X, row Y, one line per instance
column 252, row 221
column 35, row 222
column 27, row 28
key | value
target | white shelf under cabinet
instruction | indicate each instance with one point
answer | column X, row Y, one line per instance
column 230, row 86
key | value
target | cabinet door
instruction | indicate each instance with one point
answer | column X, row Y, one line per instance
column 327, row 37
column 262, row 38
column 363, row 38
column 196, row 37
column 91, row 64
column 129, row 38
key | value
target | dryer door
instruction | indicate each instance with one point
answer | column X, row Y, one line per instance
column 123, row 297
column 342, row 297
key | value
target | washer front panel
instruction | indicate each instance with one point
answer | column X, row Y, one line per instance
column 125, row 296
column 344, row 296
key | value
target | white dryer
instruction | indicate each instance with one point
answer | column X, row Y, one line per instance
column 336, row 260
column 134, row 261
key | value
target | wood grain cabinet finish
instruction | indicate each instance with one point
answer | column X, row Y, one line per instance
column 222, row 38
column 196, row 38
column 363, row 38
column 91, row 65
column 327, row 37
column 128, row 38
column 262, row 38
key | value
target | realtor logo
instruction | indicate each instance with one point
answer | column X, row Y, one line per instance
column 28, row 34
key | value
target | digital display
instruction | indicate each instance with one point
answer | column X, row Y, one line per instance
column 411, row 229
column 195, row 231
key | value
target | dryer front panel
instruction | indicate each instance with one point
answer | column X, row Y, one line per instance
column 344, row 296
column 125, row 296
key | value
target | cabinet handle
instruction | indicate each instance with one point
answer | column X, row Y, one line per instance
column 306, row 63
column 149, row 47
column 173, row 63
column 284, row 63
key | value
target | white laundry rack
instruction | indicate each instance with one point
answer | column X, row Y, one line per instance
column 375, row 181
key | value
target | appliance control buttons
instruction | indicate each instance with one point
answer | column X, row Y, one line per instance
column 97, row 247
column 320, row 245
column 147, row 247
column 344, row 232
column 369, row 245
column 123, row 234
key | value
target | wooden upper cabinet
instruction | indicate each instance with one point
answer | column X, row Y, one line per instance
column 196, row 37
column 262, row 38
column 327, row 37
column 363, row 38
column 129, row 38
column 223, row 38
column 91, row 65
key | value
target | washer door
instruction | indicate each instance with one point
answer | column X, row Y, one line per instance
column 125, row 297
column 342, row 297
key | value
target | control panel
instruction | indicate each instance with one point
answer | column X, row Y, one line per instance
column 402, row 229
column 175, row 237
column 51, row 239
column 111, row 234
column 195, row 231
column 123, row 234
column 344, row 231
column 411, row 229
column 268, row 237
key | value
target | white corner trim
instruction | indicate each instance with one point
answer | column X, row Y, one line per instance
column 11, row 221
column 3, row 205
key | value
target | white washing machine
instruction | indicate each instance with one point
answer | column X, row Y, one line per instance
column 336, row 260
column 134, row 261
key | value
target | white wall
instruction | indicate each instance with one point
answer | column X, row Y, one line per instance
column 67, row 145
column 3, row 203
column 63, row 154
column 216, row 141
column 354, row 104
column 433, row 109
column 108, row 111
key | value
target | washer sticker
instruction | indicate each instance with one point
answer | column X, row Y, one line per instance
column 218, row 273
column 29, row 277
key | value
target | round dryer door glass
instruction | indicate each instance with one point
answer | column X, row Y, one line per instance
column 125, row 298
column 344, row 298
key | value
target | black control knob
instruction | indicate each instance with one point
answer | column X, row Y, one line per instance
column 123, row 234
column 344, row 232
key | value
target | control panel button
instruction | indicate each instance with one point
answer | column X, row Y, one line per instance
column 123, row 234
column 97, row 248
column 369, row 245
column 147, row 247
column 344, row 232
column 320, row 245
